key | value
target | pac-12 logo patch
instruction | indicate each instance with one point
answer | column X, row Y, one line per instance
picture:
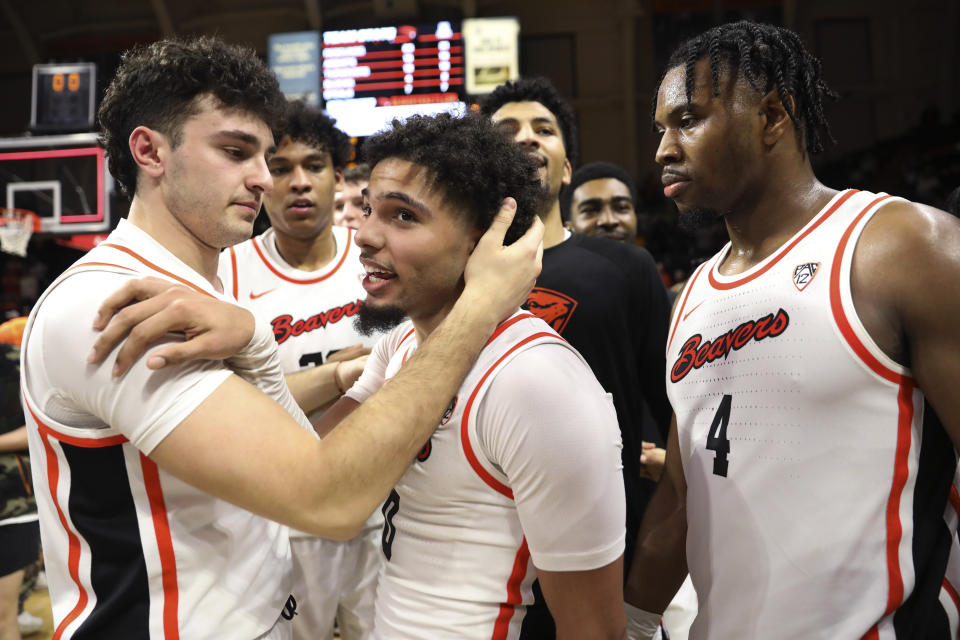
column 804, row 273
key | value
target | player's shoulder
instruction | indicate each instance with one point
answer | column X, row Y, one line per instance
column 903, row 228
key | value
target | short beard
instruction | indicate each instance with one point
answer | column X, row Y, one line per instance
column 372, row 319
column 695, row 218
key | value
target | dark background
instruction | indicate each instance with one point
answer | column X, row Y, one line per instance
column 894, row 63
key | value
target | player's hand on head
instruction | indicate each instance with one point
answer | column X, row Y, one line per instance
column 501, row 277
column 143, row 311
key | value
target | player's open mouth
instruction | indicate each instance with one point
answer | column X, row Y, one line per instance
column 377, row 275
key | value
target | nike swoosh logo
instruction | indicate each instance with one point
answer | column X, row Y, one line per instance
column 685, row 316
column 254, row 296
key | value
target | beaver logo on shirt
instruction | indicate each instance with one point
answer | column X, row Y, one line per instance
column 552, row 307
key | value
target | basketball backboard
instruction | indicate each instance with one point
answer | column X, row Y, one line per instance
column 61, row 178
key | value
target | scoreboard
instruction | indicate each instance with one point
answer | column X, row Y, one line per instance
column 371, row 76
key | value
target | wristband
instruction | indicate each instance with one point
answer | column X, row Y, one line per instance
column 641, row 625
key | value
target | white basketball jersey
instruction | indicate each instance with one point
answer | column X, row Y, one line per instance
column 801, row 444
column 311, row 313
column 458, row 562
column 131, row 551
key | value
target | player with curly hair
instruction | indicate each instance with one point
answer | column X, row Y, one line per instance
column 303, row 271
column 164, row 485
column 812, row 375
column 522, row 479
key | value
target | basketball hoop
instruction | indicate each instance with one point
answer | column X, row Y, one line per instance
column 16, row 227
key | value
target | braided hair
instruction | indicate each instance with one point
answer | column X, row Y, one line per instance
column 768, row 56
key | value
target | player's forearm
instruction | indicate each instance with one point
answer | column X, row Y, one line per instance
column 315, row 387
column 660, row 561
column 374, row 445
column 15, row 440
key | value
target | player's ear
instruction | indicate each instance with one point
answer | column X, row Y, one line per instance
column 775, row 119
column 567, row 172
column 146, row 148
column 338, row 183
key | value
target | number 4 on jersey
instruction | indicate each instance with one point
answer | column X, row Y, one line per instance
column 717, row 436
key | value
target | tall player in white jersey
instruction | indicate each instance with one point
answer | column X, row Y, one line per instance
column 157, row 480
column 302, row 276
column 811, row 365
column 523, row 476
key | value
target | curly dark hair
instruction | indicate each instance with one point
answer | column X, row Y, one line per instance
column 472, row 162
column 314, row 128
column 537, row 90
column 768, row 56
column 158, row 86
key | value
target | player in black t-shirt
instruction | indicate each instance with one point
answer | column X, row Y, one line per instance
column 605, row 297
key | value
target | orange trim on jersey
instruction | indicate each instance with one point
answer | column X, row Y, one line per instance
column 168, row 561
column 840, row 317
column 683, row 303
column 503, row 326
column 406, row 355
column 156, row 268
column 77, row 441
column 955, row 499
column 343, row 258
column 901, row 472
column 233, row 270
column 73, row 541
column 478, row 468
column 514, row 597
column 100, row 264
column 753, row 276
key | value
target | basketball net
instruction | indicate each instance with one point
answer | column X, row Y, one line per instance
column 16, row 227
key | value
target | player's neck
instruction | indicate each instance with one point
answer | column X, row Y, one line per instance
column 552, row 226
column 307, row 254
column 166, row 229
column 778, row 211
column 425, row 323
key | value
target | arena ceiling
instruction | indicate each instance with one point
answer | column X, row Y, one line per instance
column 34, row 31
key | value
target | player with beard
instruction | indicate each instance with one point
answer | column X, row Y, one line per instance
column 812, row 371
column 605, row 297
column 522, row 478
column 302, row 276
column 156, row 478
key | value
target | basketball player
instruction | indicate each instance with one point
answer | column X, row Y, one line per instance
column 348, row 203
column 810, row 364
column 156, row 488
column 302, row 276
column 522, row 478
column 601, row 200
column 606, row 298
